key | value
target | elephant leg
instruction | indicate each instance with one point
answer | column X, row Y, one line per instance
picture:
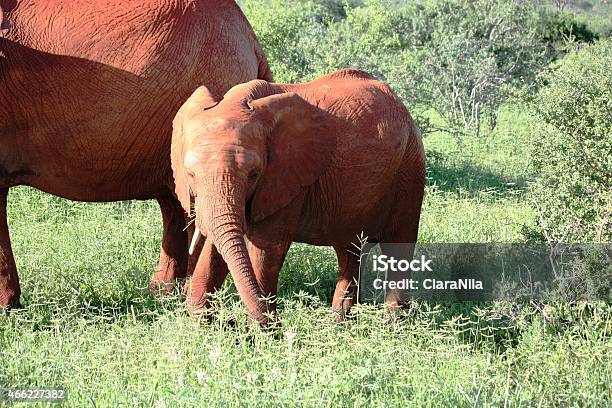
column 402, row 227
column 173, row 255
column 345, row 295
column 9, row 280
column 208, row 276
column 267, row 263
column 397, row 298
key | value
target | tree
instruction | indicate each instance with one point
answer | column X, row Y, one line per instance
column 572, row 147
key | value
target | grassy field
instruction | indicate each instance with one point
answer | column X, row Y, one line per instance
column 88, row 327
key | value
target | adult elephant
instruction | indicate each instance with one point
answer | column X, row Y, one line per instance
column 87, row 97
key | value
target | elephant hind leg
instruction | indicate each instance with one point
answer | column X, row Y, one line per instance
column 9, row 280
column 173, row 255
column 402, row 227
column 345, row 295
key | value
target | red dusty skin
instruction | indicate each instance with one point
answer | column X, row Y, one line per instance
column 5, row 25
column 88, row 92
column 323, row 163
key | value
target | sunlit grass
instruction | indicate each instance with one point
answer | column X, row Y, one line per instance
column 89, row 326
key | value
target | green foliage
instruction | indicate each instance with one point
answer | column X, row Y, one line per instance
column 588, row 276
column 572, row 147
column 560, row 28
column 437, row 355
column 468, row 51
column 280, row 26
column 458, row 57
column 476, row 186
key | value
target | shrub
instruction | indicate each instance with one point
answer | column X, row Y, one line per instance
column 453, row 56
column 559, row 29
column 572, row 147
column 280, row 26
column 458, row 57
column 471, row 53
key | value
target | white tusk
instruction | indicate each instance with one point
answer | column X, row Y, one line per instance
column 195, row 240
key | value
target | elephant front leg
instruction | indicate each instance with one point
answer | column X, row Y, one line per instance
column 269, row 242
column 173, row 256
column 208, row 276
column 267, row 263
column 9, row 280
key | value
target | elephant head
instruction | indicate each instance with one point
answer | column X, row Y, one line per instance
column 240, row 160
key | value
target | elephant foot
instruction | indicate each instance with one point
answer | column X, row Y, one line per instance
column 393, row 312
column 342, row 313
column 344, row 299
column 9, row 309
column 160, row 288
column 198, row 299
column 208, row 315
column 9, row 293
column 164, row 282
column 200, row 310
column 271, row 326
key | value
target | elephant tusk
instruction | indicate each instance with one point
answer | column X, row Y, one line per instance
column 195, row 240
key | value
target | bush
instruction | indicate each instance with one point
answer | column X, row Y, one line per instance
column 313, row 38
column 559, row 29
column 572, row 148
column 281, row 25
column 458, row 57
column 469, row 50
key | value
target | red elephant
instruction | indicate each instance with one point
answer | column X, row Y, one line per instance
column 88, row 91
column 321, row 163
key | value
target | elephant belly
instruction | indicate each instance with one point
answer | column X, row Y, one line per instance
column 93, row 189
column 354, row 196
column 88, row 178
column 88, row 168
column 338, row 211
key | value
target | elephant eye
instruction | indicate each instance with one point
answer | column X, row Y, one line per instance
column 253, row 175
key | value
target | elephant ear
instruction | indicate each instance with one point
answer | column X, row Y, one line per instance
column 201, row 99
column 301, row 145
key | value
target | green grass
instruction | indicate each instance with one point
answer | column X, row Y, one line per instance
column 88, row 326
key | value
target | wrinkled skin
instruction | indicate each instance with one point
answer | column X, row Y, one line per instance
column 88, row 91
column 318, row 163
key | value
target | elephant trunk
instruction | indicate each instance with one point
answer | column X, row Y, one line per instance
column 223, row 217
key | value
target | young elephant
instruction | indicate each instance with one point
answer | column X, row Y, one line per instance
column 319, row 163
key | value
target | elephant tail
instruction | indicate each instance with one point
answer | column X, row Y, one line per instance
column 263, row 68
column 263, row 71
